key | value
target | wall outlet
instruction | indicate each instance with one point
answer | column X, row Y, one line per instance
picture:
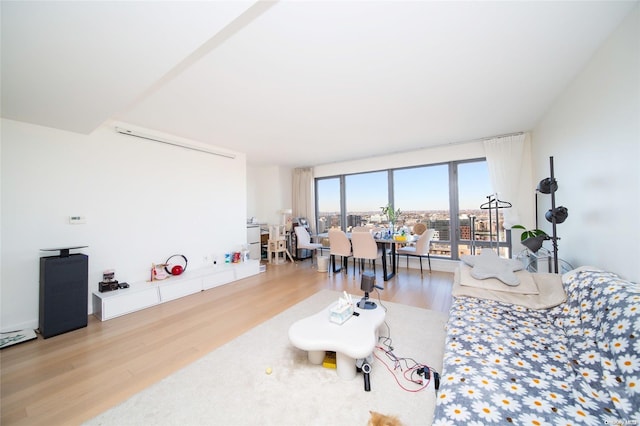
column 77, row 220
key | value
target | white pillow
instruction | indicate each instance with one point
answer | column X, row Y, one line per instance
column 489, row 265
column 527, row 284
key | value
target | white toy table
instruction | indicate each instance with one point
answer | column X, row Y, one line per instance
column 354, row 339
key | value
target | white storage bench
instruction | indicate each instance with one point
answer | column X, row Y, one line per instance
column 144, row 294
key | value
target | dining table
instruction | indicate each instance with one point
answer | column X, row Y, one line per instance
column 382, row 239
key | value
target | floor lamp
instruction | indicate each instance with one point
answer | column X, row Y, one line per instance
column 555, row 215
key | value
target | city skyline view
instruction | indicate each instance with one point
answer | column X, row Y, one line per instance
column 466, row 241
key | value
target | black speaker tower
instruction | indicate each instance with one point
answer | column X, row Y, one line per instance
column 64, row 288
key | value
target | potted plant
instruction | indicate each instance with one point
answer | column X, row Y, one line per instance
column 532, row 238
column 391, row 215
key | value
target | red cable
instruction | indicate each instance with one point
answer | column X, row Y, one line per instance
column 405, row 373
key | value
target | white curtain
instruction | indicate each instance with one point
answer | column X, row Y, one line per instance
column 303, row 196
column 504, row 158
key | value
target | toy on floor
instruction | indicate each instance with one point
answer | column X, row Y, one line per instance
column 378, row 419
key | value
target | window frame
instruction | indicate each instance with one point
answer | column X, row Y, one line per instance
column 454, row 206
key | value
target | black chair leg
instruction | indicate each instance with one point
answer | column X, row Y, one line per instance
column 429, row 258
column 332, row 261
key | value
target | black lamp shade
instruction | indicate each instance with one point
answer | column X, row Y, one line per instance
column 559, row 213
column 547, row 186
column 367, row 282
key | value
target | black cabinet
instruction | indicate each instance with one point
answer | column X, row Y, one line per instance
column 63, row 293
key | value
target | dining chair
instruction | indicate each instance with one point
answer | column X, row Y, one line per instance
column 303, row 241
column 420, row 250
column 339, row 245
column 360, row 229
column 419, row 228
column 364, row 248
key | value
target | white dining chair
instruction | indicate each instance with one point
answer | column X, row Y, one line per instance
column 339, row 245
column 420, row 250
column 365, row 248
column 361, row 229
column 303, row 241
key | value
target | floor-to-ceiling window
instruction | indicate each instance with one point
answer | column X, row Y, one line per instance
column 480, row 223
column 449, row 197
column 328, row 204
column 365, row 194
column 422, row 195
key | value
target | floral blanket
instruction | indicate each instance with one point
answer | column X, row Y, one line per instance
column 575, row 364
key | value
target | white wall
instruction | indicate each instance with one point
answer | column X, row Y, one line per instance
column 143, row 201
column 593, row 133
column 268, row 191
column 440, row 154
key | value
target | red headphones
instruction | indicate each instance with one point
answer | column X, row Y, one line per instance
column 175, row 269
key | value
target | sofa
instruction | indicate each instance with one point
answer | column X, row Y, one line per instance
column 526, row 360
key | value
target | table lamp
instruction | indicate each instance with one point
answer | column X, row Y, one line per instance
column 367, row 284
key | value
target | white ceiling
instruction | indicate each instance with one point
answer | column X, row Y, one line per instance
column 298, row 83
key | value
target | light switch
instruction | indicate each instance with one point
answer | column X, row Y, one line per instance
column 77, row 220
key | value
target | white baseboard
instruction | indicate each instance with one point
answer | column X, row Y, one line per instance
column 32, row 325
column 441, row 265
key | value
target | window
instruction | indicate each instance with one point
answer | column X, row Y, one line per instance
column 474, row 190
column 365, row 193
column 422, row 194
column 446, row 197
column 328, row 210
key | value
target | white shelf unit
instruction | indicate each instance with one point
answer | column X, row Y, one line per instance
column 141, row 295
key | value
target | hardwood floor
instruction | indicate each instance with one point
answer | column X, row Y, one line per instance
column 75, row 376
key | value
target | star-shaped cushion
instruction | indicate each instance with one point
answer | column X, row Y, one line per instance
column 489, row 265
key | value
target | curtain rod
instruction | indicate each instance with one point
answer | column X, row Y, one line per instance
column 479, row 139
column 469, row 141
column 426, row 147
column 502, row 136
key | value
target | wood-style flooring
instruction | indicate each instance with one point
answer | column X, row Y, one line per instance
column 75, row 376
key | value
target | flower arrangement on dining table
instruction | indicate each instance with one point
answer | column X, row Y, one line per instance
column 392, row 217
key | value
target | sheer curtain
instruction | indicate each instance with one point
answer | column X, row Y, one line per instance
column 303, row 196
column 505, row 161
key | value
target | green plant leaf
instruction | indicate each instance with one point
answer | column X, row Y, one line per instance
column 530, row 233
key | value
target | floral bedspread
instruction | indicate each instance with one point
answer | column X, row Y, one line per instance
column 575, row 364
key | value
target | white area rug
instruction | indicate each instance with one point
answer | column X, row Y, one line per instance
column 229, row 386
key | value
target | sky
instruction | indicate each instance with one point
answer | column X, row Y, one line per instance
column 421, row 188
